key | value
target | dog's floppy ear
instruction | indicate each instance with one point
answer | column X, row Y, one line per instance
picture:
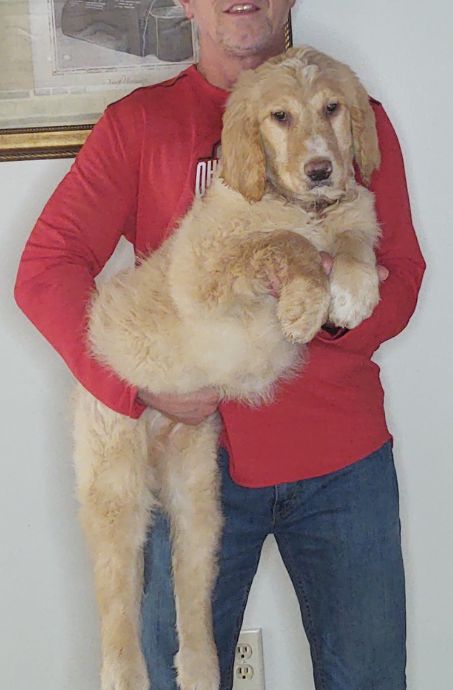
column 364, row 135
column 243, row 163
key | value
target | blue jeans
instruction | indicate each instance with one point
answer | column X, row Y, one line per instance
column 339, row 537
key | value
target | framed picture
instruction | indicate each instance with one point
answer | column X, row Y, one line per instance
column 64, row 61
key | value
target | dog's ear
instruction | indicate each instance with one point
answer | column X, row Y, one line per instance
column 243, row 163
column 364, row 134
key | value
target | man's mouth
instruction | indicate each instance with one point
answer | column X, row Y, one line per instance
column 242, row 8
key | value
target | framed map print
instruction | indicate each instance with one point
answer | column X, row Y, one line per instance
column 64, row 61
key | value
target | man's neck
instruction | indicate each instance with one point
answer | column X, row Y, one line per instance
column 222, row 69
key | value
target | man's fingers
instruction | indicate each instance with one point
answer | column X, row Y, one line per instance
column 209, row 396
column 189, row 421
column 383, row 273
column 189, row 409
column 326, row 261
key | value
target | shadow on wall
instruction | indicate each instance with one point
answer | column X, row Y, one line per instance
column 138, row 27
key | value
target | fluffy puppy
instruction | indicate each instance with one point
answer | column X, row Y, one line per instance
column 199, row 312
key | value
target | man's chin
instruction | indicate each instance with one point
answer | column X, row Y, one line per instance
column 247, row 46
column 241, row 51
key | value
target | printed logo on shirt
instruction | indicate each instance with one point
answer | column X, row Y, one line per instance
column 206, row 168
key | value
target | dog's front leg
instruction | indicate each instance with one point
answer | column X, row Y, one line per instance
column 191, row 497
column 115, row 503
column 277, row 262
column 354, row 280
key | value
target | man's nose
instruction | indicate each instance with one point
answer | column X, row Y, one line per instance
column 318, row 169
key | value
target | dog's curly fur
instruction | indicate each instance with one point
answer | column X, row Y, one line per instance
column 200, row 312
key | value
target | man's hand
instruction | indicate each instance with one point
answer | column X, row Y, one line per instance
column 383, row 273
column 327, row 262
column 189, row 409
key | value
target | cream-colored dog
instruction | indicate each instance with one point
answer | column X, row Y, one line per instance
column 199, row 312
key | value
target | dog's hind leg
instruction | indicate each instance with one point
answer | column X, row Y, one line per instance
column 191, row 497
column 115, row 509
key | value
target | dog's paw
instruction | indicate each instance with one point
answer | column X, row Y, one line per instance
column 197, row 670
column 302, row 308
column 354, row 288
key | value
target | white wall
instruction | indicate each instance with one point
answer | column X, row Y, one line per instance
column 48, row 633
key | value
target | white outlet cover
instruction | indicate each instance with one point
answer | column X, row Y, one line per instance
column 249, row 659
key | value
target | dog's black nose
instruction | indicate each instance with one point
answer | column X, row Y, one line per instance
column 318, row 169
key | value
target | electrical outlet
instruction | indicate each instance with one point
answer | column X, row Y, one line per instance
column 248, row 664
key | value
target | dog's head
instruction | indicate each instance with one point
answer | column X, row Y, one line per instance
column 297, row 123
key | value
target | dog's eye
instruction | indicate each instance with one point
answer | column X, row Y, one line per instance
column 332, row 108
column 282, row 116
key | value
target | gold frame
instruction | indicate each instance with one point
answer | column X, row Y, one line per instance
column 32, row 143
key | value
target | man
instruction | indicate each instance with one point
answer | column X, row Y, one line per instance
column 315, row 468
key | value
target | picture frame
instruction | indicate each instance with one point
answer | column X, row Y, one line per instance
column 67, row 59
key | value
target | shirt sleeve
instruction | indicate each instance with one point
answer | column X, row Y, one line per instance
column 72, row 240
column 398, row 249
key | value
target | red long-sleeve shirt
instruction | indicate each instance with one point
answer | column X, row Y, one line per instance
column 136, row 176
